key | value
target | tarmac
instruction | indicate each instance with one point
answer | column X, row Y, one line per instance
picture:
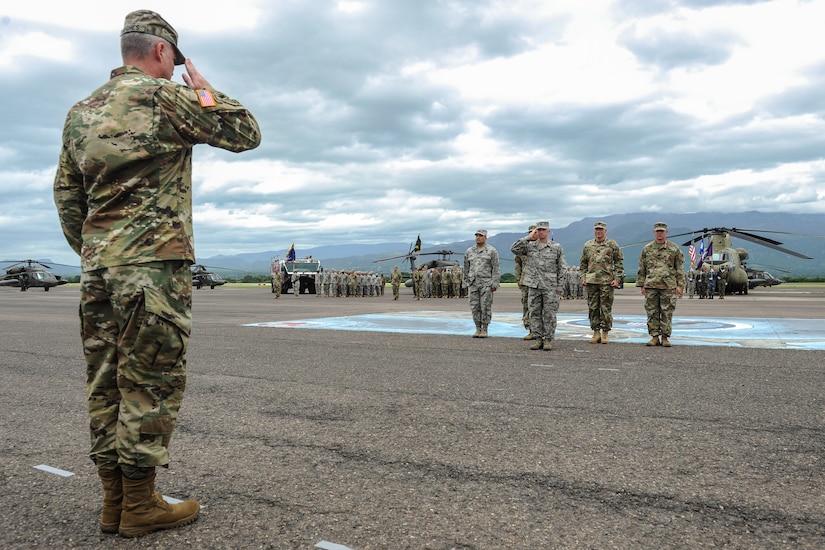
column 368, row 423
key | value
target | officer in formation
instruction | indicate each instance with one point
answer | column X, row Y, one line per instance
column 335, row 283
column 706, row 282
column 690, row 287
column 520, row 261
column 277, row 283
column 543, row 273
column 482, row 277
column 661, row 277
column 601, row 263
column 722, row 281
column 395, row 281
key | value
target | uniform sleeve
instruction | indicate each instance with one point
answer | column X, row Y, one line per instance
column 496, row 268
column 679, row 258
column 561, row 265
column 519, row 247
column 642, row 272
column 227, row 124
column 70, row 199
column 584, row 260
column 618, row 261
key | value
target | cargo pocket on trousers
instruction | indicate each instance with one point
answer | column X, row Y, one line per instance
column 156, row 424
column 161, row 339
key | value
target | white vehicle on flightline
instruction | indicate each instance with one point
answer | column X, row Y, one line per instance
column 308, row 270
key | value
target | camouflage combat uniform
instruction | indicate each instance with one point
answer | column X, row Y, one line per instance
column 661, row 270
column 543, row 274
column 601, row 263
column 520, row 260
column 395, row 281
column 276, row 283
column 123, row 191
column 482, row 273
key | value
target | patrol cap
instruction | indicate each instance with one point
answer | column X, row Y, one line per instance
column 532, row 227
column 482, row 232
column 149, row 22
column 543, row 225
column 599, row 225
column 660, row 226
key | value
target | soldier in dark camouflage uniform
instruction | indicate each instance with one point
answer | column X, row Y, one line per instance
column 601, row 265
column 123, row 192
column 661, row 276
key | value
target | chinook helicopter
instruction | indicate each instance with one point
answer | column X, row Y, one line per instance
column 26, row 274
column 720, row 252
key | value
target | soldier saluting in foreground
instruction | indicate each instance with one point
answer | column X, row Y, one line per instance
column 123, row 192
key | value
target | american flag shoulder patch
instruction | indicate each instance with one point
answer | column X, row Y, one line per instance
column 206, row 99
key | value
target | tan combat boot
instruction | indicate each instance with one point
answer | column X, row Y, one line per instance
column 145, row 511
column 538, row 344
column 548, row 345
column 595, row 339
column 530, row 336
column 112, row 498
column 605, row 338
column 478, row 331
column 665, row 341
column 653, row 341
column 483, row 332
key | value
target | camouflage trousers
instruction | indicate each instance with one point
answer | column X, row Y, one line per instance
column 600, row 306
column 543, row 305
column 525, row 310
column 135, row 322
column 660, row 303
column 481, row 303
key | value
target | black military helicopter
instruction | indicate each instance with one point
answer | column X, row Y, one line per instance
column 760, row 277
column 720, row 252
column 27, row 274
column 202, row 277
column 414, row 255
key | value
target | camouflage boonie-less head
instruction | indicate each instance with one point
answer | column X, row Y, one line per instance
column 149, row 22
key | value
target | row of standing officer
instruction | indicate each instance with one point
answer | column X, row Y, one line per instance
column 541, row 268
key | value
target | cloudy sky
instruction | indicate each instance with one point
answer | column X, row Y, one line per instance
column 383, row 120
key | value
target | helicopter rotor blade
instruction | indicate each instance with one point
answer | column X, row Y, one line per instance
column 770, row 243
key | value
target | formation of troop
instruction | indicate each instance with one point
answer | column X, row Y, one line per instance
column 333, row 283
column 544, row 279
column 706, row 282
column 438, row 282
column 543, row 276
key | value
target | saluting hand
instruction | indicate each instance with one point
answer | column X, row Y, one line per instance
column 193, row 78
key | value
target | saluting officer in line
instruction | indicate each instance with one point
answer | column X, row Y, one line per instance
column 542, row 275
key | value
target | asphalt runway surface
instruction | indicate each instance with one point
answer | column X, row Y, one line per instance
column 371, row 439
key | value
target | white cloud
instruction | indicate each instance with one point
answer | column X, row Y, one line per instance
column 389, row 119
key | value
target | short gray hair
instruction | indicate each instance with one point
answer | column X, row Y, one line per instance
column 136, row 45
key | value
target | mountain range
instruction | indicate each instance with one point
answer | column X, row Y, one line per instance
column 798, row 232
column 632, row 231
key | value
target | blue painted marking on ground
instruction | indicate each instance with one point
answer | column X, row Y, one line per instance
column 717, row 331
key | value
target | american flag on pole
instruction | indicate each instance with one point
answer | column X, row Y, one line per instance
column 692, row 254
